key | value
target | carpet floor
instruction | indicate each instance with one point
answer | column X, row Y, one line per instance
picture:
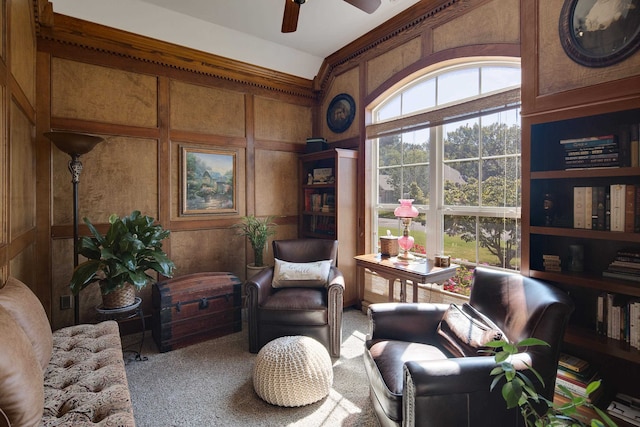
column 210, row 384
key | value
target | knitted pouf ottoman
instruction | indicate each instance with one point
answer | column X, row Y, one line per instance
column 292, row 371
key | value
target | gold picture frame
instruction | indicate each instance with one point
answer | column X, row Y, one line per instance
column 208, row 183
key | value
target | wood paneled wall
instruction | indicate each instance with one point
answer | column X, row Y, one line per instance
column 150, row 99
column 17, row 143
column 148, row 112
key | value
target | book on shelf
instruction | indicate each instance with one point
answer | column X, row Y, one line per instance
column 602, row 151
column 575, row 374
column 588, row 141
column 620, row 275
column 618, row 192
column 618, row 317
column 579, row 194
column 625, row 407
column 630, row 208
column 572, row 363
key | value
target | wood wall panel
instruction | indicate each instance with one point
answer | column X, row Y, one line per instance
column 386, row 65
column 348, row 82
column 556, row 71
column 92, row 92
column 119, row 175
column 176, row 180
column 216, row 250
column 22, row 46
column 21, row 266
column 280, row 121
column 206, row 109
column 22, row 177
column 497, row 21
column 276, row 181
column 4, row 167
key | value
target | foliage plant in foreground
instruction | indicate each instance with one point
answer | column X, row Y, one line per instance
column 518, row 391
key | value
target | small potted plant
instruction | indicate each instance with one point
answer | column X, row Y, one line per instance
column 519, row 391
column 120, row 259
column 258, row 232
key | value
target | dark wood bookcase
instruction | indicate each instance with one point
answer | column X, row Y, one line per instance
column 544, row 177
column 334, row 215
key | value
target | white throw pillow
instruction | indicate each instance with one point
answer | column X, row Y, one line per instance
column 300, row 274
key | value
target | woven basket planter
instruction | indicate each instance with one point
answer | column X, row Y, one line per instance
column 121, row 297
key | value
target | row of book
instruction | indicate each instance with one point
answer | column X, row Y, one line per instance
column 591, row 152
column 618, row 317
column 614, row 207
column 604, row 150
column 575, row 374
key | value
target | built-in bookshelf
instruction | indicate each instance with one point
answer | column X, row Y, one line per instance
column 328, row 192
column 553, row 233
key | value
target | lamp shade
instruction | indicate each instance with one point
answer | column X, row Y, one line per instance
column 406, row 209
column 73, row 143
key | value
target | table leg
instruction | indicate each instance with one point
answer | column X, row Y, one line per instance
column 391, row 283
column 403, row 290
column 415, row 290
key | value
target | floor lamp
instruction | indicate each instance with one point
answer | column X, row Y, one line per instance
column 75, row 145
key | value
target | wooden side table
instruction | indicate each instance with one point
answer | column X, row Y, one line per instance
column 123, row 313
column 417, row 271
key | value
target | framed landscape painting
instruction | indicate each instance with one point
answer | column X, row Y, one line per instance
column 208, row 181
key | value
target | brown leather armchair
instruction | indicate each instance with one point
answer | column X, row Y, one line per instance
column 315, row 312
column 416, row 381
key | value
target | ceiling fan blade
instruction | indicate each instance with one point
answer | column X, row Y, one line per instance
column 290, row 18
column 368, row 6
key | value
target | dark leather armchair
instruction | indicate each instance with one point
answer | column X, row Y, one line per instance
column 416, row 381
column 315, row 312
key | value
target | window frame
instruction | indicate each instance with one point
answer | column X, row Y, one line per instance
column 482, row 104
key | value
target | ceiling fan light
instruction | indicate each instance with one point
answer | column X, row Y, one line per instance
column 300, row 1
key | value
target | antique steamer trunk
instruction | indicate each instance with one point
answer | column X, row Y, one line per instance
column 195, row 307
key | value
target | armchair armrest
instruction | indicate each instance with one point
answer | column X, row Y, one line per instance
column 456, row 375
column 336, row 278
column 258, row 288
column 413, row 322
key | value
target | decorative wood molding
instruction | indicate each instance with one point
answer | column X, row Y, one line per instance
column 398, row 30
column 87, row 35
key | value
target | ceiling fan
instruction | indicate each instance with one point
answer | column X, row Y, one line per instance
column 292, row 10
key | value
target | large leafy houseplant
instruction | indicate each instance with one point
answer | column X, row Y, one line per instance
column 131, row 247
column 258, row 232
column 518, row 391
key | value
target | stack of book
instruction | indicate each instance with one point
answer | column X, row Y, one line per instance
column 618, row 317
column 626, row 265
column 591, row 152
column 626, row 408
column 551, row 262
column 575, row 374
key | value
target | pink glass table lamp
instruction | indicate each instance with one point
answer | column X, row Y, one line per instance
column 406, row 211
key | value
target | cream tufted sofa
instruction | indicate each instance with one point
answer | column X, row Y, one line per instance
column 74, row 376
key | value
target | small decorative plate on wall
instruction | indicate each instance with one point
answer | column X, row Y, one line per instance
column 341, row 112
column 599, row 33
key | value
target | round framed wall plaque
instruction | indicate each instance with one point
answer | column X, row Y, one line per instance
column 599, row 33
column 341, row 112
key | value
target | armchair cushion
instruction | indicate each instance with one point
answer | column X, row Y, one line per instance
column 300, row 274
column 463, row 331
column 295, row 306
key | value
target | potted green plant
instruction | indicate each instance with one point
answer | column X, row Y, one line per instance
column 258, row 232
column 120, row 259
column 519, row 391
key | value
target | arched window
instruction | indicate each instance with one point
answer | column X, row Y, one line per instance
column 450, row 140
